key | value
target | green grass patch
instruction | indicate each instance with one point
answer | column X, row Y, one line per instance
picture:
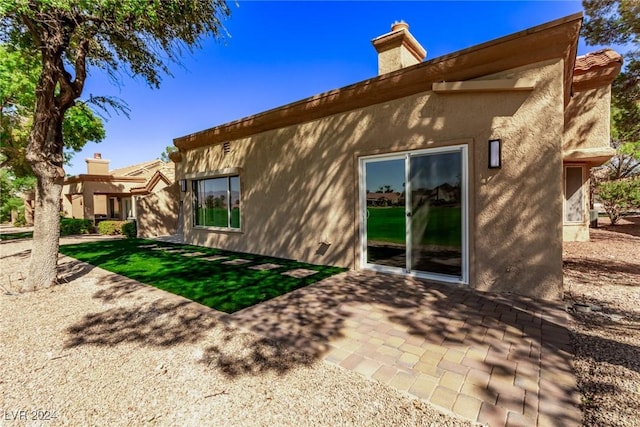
column 224, row 287
column 218, row 217
column 15, row 236
column 388, row 225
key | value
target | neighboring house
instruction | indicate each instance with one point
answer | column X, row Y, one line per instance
column 384, row 199
column 111, row 194
column 492, row 146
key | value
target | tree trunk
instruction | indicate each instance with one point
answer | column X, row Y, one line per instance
column 43, row 266
column 55, row 94
column 45, row 155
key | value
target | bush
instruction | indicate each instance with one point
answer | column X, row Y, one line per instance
column 112, row 228
column 129, row 229
column 70, row 226
column 619, row 195
column 21, row 219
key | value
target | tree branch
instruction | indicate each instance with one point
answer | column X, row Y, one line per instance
column 81, row 67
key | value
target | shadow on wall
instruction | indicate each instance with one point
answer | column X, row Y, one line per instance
column 157, row 213
column 300, row 183
column 582, row 120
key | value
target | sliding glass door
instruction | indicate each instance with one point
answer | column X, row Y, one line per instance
column 386, row 233
column 414, row 213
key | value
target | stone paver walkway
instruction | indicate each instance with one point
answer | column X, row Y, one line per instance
column 495, row 359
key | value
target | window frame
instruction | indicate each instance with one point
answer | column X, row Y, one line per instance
column 195, row 182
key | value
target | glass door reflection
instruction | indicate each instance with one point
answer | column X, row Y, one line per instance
column 436, row 213
column 386, row 213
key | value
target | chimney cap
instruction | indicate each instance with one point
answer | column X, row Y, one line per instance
column 399, row 25
column 97, row 155
column 398, row 49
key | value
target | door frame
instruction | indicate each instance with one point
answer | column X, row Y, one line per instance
column 362, row 213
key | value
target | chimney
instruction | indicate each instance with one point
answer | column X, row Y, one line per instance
column 97, row 166
column 398, row 49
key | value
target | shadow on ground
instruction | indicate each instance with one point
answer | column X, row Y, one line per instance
column 298, row 328
column 162, row 323
column 584, row 266
column 630, row 225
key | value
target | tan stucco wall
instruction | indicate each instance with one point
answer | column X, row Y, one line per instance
column 299, row 184
column 157, row 213
column 95, row 195
column 587, row 131
column 395, row 59
column 97, row 166
column 575, row 233
column 587, row 119
column 76, row 206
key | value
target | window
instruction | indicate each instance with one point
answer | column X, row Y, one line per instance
column 217, row 202
column 574, row 210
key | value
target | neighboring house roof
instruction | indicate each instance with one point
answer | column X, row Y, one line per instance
column 554, row 40
column 145, row 168
column 151, row 183
column 392, row 197
column 140, row 178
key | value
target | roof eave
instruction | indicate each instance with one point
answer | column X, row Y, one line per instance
column 554, row 40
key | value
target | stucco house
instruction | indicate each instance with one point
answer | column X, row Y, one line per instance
column 104, row 193
column 490, row 147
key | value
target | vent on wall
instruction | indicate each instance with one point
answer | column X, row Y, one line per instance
column 226, row 148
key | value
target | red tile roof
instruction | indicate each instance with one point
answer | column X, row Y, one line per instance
column 596, row 69
column 599, row 58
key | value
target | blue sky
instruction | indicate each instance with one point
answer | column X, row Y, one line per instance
column 280, row 52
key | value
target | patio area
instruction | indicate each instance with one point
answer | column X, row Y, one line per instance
column 494, row 359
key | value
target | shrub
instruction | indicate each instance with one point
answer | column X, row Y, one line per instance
column 70, row 226
column 21, row 219
column 129, row 229
column 111, row 228
column 619, row 195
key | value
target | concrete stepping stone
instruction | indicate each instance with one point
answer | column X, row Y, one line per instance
column 237, row 261
column 265, row 267
column 192, row 254
column 299, row 273
column 148, row 246
column 174, row 251
column 214, row 258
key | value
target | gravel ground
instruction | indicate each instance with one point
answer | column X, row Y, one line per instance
column 605, row 273
column 104, row 350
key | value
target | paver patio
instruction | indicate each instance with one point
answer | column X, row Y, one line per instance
column 494, row 359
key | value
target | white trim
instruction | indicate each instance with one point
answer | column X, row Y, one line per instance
column 408, row 202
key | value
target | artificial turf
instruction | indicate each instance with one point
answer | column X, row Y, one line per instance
column 224, row 287
column 14, row 236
